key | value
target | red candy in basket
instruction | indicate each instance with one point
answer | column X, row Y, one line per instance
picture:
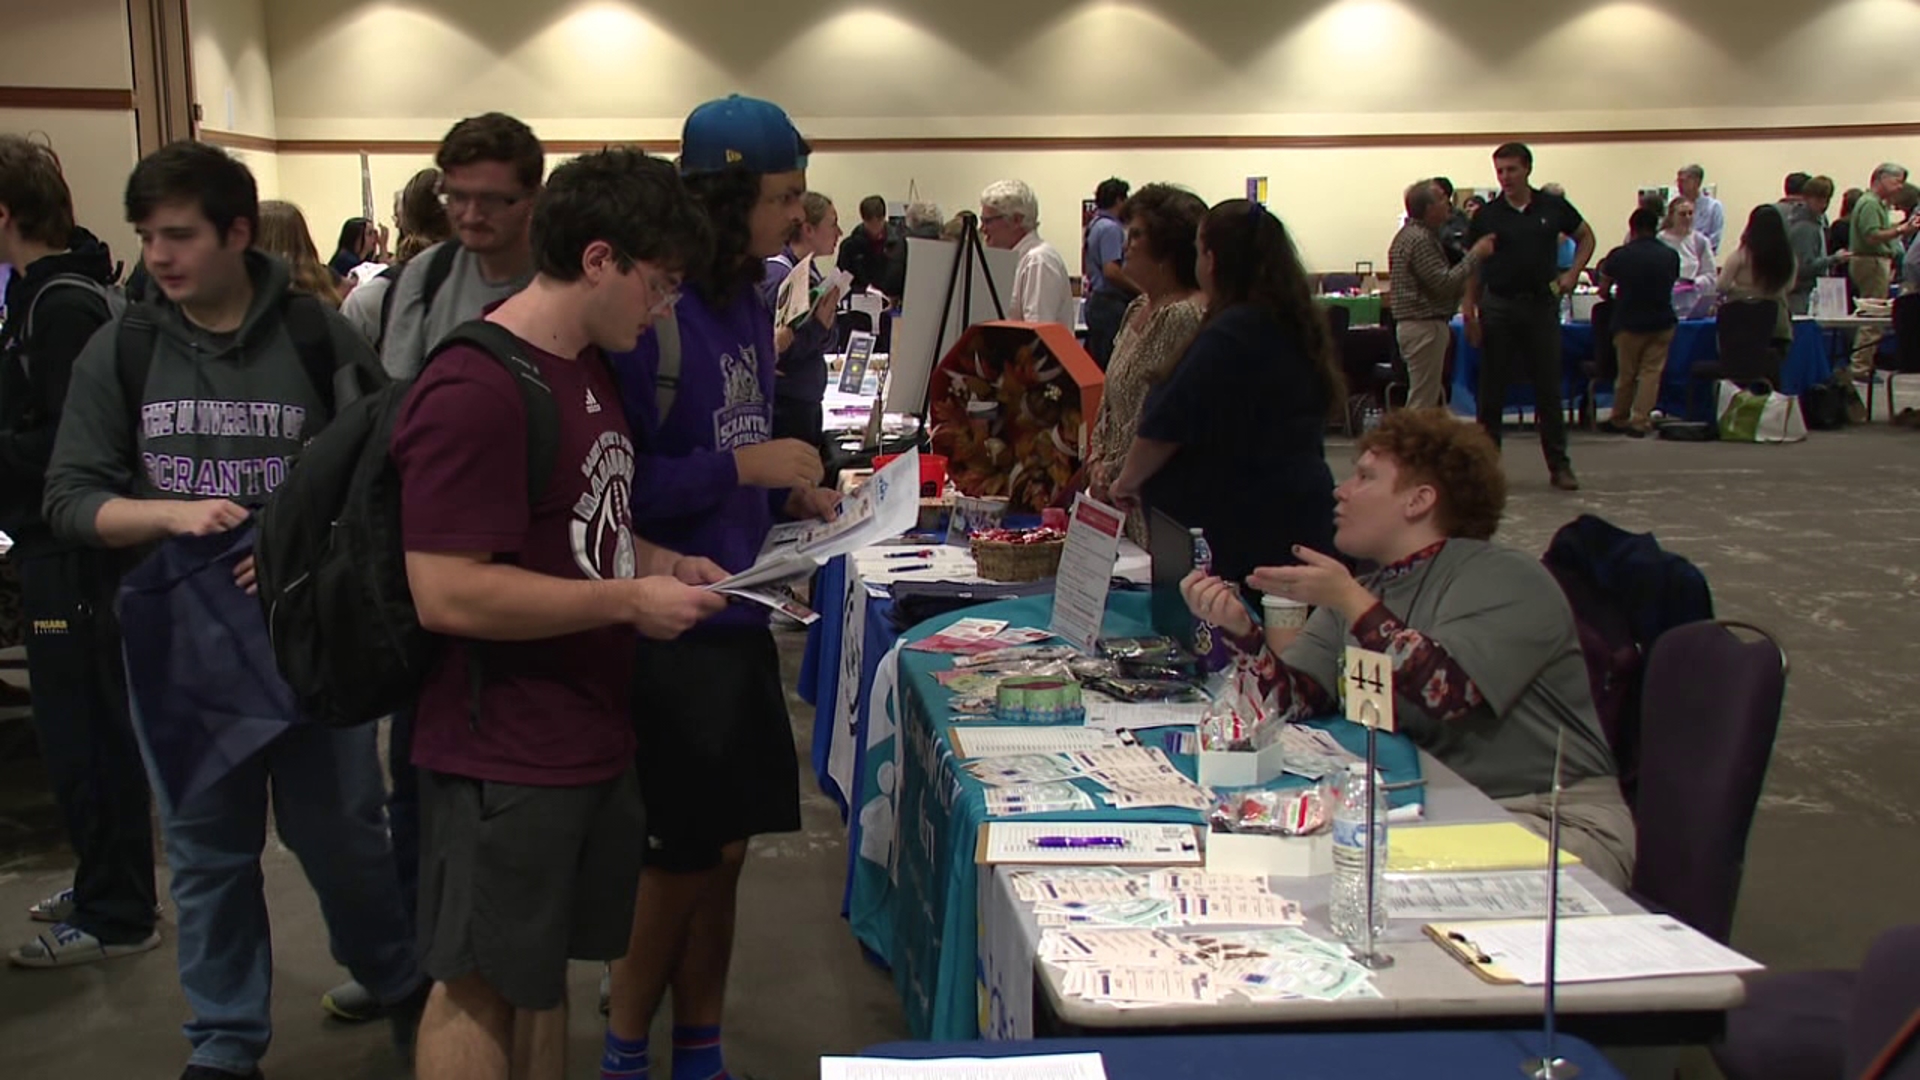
column 1021, row 536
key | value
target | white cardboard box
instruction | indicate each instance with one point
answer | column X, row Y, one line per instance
column 1240, row 768
column 1270, row 856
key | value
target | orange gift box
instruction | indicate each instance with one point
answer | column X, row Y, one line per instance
column 1009, row 407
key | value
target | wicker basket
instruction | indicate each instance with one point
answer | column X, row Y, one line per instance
column 998, row 560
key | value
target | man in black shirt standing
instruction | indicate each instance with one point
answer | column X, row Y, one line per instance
column 1638, row 279
column 1513, row 301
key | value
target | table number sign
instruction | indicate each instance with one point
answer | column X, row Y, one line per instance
column 1369, row 683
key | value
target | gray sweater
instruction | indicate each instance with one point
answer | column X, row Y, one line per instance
column 222, row 416
column 1808, row 234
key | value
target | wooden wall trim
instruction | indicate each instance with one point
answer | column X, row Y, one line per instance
column 233, row 140
column 1014, row 143
column 66, row 97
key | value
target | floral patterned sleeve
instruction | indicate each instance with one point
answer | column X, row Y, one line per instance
column 1295, row 695
column 1435, row 679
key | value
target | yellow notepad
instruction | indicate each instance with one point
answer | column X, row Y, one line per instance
column 1502, row 845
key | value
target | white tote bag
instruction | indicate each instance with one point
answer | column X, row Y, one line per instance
column 1766, row 417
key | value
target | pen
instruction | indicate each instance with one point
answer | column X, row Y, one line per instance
column 922, row 553
column 1079, row 841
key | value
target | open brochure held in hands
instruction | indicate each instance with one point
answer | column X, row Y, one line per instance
column 887, row 505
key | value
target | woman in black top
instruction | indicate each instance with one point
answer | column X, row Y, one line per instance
column 1233, row 441
column 1840, row 233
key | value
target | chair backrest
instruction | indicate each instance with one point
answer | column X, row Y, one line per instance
column 1906, row 332
column 1881, row 1041
column 1710, row 705
column 1606, row 358
column 1744, row 329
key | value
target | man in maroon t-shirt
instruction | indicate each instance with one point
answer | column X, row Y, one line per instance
column 532, row 829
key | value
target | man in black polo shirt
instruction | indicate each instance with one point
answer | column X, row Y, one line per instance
column 1638, row 278
column 1513, row 300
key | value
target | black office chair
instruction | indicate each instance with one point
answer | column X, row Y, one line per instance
column 1339, row 283
column 1603, row 367
column 1748, row 353
column 1906, row 350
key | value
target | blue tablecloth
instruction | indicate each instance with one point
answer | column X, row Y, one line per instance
column 914, row 891
column 824, row 667
column 1809, row 361
column 1438, row 1055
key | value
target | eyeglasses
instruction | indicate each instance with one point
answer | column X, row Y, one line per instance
column 992, row 219
column 488, row 202
column 665, row 290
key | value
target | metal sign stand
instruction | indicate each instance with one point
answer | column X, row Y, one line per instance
column 1370, row 957
column 960, row 278
column 1550, row 1065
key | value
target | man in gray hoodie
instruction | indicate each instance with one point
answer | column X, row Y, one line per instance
column 1806, row 214
column 182, row 416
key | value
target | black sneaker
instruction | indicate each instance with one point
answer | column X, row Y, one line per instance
column 208, row 1072
column 1564, row 479
column 1608, row 427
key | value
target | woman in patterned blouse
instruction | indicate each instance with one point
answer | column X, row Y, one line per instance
column 1487, row 670
column 1162, row 223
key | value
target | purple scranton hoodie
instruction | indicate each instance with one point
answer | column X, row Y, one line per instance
column 687, row 496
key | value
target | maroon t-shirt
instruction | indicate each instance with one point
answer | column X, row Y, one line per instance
column 553, row 712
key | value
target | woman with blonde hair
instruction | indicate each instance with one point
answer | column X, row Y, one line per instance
column 1693, row 296
column 284, row 235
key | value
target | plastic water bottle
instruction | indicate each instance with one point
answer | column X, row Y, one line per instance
column 1349, row 894
column 1209, row 645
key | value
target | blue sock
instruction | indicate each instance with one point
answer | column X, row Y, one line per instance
column 696, row 1054
column 624, row 1059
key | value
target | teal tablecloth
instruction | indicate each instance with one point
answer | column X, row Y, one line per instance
column 914, row 896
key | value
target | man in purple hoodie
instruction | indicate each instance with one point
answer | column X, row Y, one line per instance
column 716, row 759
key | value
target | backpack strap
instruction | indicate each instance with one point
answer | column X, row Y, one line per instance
column 58, row 281
column 666, row 377
column 133, row 345
column 305, row 318
column 391, row 275
column 543, row 413
column 439, row 268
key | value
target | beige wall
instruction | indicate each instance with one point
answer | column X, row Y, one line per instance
column 78, row 44
column 595, row 69
column 233, row 80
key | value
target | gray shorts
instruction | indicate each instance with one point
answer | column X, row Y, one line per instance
column 515, row 881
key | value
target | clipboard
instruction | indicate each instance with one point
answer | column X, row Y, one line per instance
column 1455, row 939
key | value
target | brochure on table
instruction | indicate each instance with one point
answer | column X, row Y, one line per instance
column 1086, row 572
column 917, row 332
column 887, row 505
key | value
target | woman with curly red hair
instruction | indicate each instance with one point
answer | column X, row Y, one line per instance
column 1487, row 664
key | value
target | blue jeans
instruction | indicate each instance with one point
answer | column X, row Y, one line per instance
column 327, row 796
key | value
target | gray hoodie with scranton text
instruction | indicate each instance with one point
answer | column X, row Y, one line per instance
column 222, row 416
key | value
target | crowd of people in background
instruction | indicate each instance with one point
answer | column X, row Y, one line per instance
column 546, row 796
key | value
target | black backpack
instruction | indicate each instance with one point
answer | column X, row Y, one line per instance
column 332, row 570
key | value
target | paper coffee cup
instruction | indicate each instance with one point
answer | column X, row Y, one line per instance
column 1282, row 613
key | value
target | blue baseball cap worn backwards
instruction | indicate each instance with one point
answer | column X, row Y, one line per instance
column 741, row 132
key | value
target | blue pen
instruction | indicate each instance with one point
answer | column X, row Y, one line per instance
column 1079, row 841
